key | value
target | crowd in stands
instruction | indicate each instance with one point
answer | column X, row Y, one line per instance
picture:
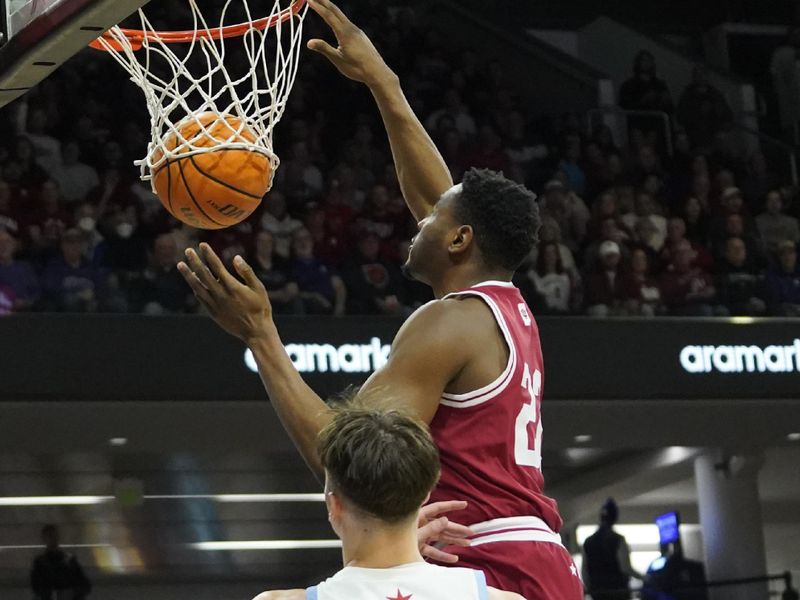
column 627, row 229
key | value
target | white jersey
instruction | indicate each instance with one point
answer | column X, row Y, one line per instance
column 414, row 581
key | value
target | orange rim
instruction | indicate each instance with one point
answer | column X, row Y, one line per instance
column 138, row 36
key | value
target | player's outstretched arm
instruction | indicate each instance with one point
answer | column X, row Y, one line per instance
column 241, row 307
column 421, row 170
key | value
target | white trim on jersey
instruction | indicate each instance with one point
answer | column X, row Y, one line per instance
column 491, row 390
column 506, row 284
column 513, row 529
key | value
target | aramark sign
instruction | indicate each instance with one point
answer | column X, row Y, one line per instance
column 327, row 358
column 741, row 359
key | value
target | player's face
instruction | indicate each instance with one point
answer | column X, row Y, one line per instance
column 428, row 255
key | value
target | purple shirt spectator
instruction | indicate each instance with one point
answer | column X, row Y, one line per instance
column 18, row 278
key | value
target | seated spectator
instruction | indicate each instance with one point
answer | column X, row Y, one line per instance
column 48, row 222
column 70, row 282
column 75, row 178
column 646, row 210
column 696, row 219
column 45, row 147
column 676, row 233
column 571, row 162
column 741, row 289
column 605, row 289
column 23, row 169
column 374, row 286
column 549, row 231
column 85, row 218
column 686, row 289
column 489, row 152
column 774, row 226
column 279, row 223
column 784, row 282
column 271, row 270
column 610, row 231
column 123, row 250
column 643, row 296
column 552, row 283
column 9, row 219
column 735, row 227
column 320, row 292
column 646, row 163
column 162, row 288
column 17, row 278
column 567, row 210
column 7, row 300
column 457, row 111
column 702, row 109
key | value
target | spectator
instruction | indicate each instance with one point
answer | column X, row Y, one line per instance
column 45, row 147
column 567, row 210
column 643, row 296
column 374, row 286
column 676, row 233
column 271, row 270
column 786, row 82
column 489, row 152
column 76, row 179
column 70, row 282
column 645, row 91
column 163, row 290
column 123, row 250
column 646, row 211
column 784, row 282
column 18, row 279
column 741, row 289
column 607, row 566
column 696, row 219
column 702, row 109
column 549, row 231
column 320, row 292
column 775, row 226
column 605, row 292
column 46, row 224
column 56, row 574
column 279, row 223
column 686, row 289
column 552, row 283
column 456, row 110
column 23, row 170
column 571, row 162
column 9, row 219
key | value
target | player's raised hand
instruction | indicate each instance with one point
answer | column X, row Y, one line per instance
column 433, row 528
column 240, row 307
column 355, row 56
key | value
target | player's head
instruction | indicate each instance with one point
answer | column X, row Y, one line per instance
column 486, row 221
column 380, row 465
column 609, row 513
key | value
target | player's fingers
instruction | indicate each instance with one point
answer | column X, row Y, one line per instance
column 449, row 540
column 200, row 291
column 458, row 530
column 431, row 531
column 435, row 509
column 246, row 272
column 201, row 271
column 439, row 555
column 216, row 267
column 324, row 10
column 324, row 48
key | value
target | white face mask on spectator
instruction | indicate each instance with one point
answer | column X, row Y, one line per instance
column 86, row 224
column 124, row 230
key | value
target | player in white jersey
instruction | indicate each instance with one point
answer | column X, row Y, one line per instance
column 380, row 467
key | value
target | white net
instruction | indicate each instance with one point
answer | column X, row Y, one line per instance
column 238, row 70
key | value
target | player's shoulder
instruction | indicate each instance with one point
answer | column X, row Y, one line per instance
column 495, row 594
column 452, row 310
column 297, row 594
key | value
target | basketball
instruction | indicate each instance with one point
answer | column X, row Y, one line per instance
column 213, row 189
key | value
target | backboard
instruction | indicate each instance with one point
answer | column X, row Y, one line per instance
column 37, row 36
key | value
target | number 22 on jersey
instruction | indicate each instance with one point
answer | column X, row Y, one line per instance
column 524, row 454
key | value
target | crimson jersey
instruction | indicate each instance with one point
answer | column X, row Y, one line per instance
column 490, row 440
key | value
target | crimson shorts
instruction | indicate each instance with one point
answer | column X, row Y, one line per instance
column 535, row 570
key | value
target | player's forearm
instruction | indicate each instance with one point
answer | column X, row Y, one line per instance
column 302, row 412
column 421, row 170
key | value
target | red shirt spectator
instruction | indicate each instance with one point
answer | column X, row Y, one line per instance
column 687, row 289
column 605, row 290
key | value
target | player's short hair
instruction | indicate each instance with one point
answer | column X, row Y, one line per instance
column 380, row 459
column 503, row 214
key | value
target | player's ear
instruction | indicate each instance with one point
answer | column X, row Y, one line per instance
column 462, row 239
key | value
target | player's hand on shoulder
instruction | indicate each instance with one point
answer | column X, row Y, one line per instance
column 356, row 57
column 495, row 594
column 240, row 305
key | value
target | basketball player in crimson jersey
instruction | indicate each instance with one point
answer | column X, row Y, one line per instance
column 468, row 363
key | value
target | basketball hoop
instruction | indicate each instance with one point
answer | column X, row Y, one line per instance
column 185, row 75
